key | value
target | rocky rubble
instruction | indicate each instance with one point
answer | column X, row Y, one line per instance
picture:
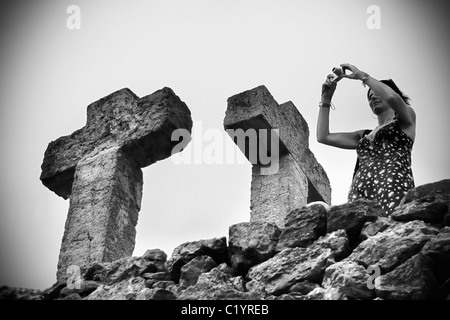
column 345, row 252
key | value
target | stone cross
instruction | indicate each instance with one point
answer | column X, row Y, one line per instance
column 99, row 168
column 299, row 178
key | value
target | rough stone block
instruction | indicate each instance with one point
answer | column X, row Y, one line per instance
column 352, row 216
column 216, row 248
column 350, row 279
column 251, row 243
column 413, row 280
column 289, row 266
column 303, row 226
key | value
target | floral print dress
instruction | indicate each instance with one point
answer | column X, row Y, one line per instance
column 384, row 172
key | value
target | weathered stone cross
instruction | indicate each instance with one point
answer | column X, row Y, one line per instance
column 300, row 178
column 99, row 168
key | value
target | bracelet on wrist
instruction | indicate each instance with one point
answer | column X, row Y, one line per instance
column 326, row 105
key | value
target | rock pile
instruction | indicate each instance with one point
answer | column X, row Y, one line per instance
column 349, row 251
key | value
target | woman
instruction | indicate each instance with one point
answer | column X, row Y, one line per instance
column 383, row 172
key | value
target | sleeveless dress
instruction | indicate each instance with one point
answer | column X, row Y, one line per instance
column 384, row 172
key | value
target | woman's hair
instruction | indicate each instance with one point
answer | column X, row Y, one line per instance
column 394, row 87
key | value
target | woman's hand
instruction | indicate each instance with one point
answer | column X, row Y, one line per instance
column 328, row 88
column 355, row 72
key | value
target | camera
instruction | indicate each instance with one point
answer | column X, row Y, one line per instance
column 337, row 74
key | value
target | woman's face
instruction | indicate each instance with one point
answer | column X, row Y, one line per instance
column 375, row 103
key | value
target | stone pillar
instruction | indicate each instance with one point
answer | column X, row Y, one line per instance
column 103, row 212
column 274, row 196
column 300, row 179
column 99, row 168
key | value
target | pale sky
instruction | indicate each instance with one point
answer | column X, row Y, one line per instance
column 206, row 51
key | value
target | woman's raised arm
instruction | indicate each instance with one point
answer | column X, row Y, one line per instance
column 344, row 140
column 405, row 114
